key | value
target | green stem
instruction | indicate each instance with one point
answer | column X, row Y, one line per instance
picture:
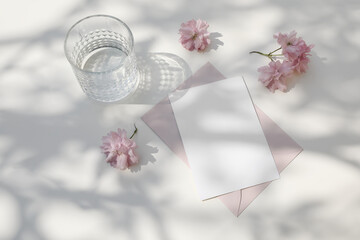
column 135, row 131
column 274, row 51
column 263, row 54
column 258, row 53
column 269, row 55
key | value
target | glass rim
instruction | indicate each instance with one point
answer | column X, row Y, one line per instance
column 84, row 19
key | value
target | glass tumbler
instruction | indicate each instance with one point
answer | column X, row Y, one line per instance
column 100, row 49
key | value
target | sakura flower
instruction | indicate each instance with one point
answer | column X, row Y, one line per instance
column 274, row 75
column 295, row 55
column 119, row 149
column 300, row 64
column 194, row 35
column 295, row 50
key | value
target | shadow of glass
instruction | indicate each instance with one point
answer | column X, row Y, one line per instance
column 159, row 74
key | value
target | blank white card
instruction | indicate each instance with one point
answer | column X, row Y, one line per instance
column 223, row 138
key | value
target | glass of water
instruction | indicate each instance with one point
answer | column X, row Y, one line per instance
column 100, row 49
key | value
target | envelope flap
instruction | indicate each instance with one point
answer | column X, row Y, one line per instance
column 283, row 147
column 206, row 74
column 162, row 121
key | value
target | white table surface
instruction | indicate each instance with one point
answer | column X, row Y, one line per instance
column 54, row 183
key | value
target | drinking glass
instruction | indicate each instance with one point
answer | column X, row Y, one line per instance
column 100, row 49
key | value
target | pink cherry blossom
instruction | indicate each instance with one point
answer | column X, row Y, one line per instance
column 289, row 44
column 194, row 35
column 295, row 50
column 119, row 150
column 300, row 64
column 274, row 75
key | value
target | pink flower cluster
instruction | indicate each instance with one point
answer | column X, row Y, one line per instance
column 296, row 54
column 274, row 75
column 119, row 150
column 194, row 35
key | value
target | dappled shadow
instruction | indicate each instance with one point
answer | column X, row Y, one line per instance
column 51, row 166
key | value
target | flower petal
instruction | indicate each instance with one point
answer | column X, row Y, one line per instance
column 121, row 162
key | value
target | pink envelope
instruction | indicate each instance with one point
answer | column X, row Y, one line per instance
column 162, row 121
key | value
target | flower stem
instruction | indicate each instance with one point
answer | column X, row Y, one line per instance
column 263, row 54
column 274, row 51
column 258, row 53
column 135, row 131
column 269, row 55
